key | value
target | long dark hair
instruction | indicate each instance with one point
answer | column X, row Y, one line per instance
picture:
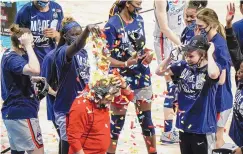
column 118, row 6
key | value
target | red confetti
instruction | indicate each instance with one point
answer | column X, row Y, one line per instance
column 134, row 143
column 77, row 79
column 133, row 136
column 132, row 125
column 151, row 126
column 102, row 35
column 120, row 36
column 152, row 150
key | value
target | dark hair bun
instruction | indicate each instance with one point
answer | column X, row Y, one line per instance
column 198, row 4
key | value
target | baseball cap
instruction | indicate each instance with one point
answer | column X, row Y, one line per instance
column 197, row 42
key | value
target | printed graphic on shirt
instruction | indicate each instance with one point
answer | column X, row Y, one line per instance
column 238, row 105
column 38, row 25
column 191, row 84
column 83, row 67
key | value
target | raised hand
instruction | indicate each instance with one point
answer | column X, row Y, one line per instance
column 230, row 14
column 26, row 40
column 94, row 29
column 51, row 33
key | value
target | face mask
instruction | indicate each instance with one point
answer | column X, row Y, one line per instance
column 193, row 67
column 203, row 31
column 70, row 39
column 135, row 12
column 42, row 3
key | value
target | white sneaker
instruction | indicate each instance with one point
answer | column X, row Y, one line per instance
column 170, row 137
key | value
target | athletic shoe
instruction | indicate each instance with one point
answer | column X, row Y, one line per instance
column 170, row 137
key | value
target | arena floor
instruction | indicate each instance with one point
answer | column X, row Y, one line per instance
column 87, row 12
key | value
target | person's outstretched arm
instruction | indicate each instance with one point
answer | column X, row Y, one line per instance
column 79, row 44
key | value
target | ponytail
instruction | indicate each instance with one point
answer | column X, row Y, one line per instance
column 210, row 17
column 117, row 7
column 221, row 30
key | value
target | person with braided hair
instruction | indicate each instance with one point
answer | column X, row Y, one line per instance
column 126, row 41
column 190, row 19
column 72, row 71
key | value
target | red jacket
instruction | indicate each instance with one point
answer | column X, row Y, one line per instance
column 88, row 127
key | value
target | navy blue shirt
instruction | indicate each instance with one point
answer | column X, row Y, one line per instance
column 138, row 76
column 236, row 128
column 188, row 33
column 238, row 29
column 72, row 77
column 30, row 17
column 224, row 96
column 196, row 99
column 17, row 91
column 46, row 71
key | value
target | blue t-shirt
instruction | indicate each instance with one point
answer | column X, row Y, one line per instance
column 224, row 96
column 138, row 76
column 18, row 94
column 72, row 77
column 196, row 99
column 236, row 128
column 30, row 17
column 238, row 29
column 188, row 33
column 46, row 71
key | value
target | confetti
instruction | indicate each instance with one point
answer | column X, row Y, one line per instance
column 132, row 125
column 189, row 126
column 133, row 136
column 152, row 149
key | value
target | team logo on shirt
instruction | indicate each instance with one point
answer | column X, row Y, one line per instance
column 176, row 7
column 191, row 83
column 83, row 69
